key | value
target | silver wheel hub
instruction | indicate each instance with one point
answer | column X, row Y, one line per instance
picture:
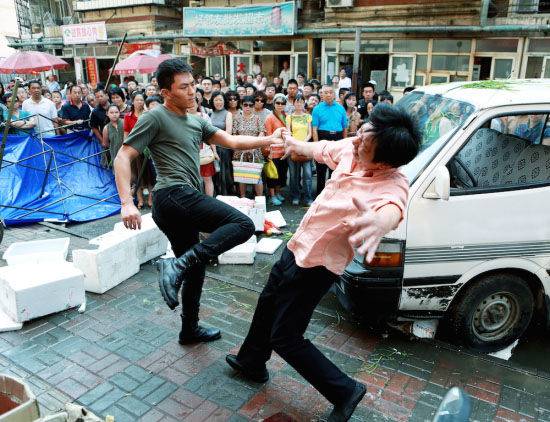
column 495, row 316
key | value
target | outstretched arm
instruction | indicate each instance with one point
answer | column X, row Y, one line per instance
column 224, row 139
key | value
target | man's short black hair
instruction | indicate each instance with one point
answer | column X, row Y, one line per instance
column 409, row 89
column 207, row 78
column 310, row 85
column 301, row 74
column 292, row 81
column 247, row 85
column 271, row 85
column 168, row 69
column 215, row 82
column 153, row 99
column 369, row 85
column 342, row 91
column 98, row 90
column 396, row 134
column 35, row 81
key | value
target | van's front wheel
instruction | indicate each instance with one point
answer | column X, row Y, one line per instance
column 492, row 312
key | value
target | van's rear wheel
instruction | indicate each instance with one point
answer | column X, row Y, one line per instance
column 492, row 312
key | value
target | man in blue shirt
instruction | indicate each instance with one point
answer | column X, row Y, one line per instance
column 329, row 123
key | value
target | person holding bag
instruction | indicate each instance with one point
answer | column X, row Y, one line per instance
column 299, row 125
column 274, row 121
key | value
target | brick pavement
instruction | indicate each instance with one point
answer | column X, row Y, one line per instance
column 121, row 357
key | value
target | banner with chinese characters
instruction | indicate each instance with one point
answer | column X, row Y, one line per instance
column 220, row 49
column 84, row 33
column 265, row 20
column 92, row 71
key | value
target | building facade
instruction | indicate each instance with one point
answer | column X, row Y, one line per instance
column 402, row 42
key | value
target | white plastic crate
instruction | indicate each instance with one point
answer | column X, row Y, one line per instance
column 260, row 203
column 151, row 241
column 37, row 251
column 115, row 260
column 257, row 215
column 32, row 291
column 268, row 246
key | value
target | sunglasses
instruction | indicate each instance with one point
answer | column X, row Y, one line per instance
column 280, row 103
column 259, row 100
column 247, row 104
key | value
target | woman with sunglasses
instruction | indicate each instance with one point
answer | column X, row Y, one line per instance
column 232, row 103
column 260, row 100
column 276, row 120
column 248, row 123
column 223, row 119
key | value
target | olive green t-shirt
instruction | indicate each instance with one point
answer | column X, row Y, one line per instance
column 174, row 142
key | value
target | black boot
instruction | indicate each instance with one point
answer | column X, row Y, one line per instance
column 343, row 412
column 172, row 273
column 259, row 375
column 191, row 331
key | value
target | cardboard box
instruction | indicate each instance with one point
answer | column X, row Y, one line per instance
column 32, row 291
column 37, row 251
column 115, row 260
column 18, row 392
column 151, row 241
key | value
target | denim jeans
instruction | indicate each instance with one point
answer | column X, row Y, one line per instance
column 300, row 172
column 283, row 312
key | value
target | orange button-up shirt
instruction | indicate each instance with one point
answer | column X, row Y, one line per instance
column 322, row 238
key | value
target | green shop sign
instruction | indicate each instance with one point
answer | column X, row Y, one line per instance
column 247, row 21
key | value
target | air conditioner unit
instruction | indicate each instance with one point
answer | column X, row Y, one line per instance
column 339, row 3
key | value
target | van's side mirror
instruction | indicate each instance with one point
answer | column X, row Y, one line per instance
column 440, row 188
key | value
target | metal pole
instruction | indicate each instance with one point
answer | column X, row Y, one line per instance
column 116, row 60
column 355, row 75
column 8, row 121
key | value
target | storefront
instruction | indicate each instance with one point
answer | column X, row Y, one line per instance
column 395, row 63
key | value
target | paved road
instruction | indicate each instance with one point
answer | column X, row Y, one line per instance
column 121, row 357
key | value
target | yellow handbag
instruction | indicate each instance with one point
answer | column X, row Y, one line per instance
column 271, row 170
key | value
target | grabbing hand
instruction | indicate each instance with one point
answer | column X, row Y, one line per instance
column 367, row 230
column 131, row 216
column 290, row 146
column 279, row 135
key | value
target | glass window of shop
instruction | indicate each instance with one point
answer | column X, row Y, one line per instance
column 497, row 45
column 538, row 58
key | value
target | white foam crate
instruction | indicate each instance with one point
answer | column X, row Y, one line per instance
column 32, row 291
column 268, row 246
column 257, row 215
column 240, row 254
column 151, row 241
column 37, row 251
column 260, row 203
column 276, row 217
column 115, row 260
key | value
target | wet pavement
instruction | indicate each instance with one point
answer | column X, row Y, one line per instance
column 121, row 356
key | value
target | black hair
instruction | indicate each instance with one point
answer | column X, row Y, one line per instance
column 247, row 85
column 301, row 74
column 215, row 82
column 117, row 91
column 216, row 94
column 310, row 85
column 134, row 95
column 341, row 91
column 96, row 90
column 299, row 97
column 409, row 89
column 316, row 96
column 57, row 92
column 348, row 95
column 113, row 105
column 100, row 86
column 168, row 69
column 271, row 85
column 34, row 81
column 248, row 99
column 197, row 89
column 385, row 96
column 73, row 87
column 262, row 95
column 292, row 81
column 207, row 78
column 153, row 99
column 230, row 94
column 396, row 134
column 369, row 85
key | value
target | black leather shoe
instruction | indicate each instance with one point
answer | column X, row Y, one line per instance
column 343, row 412
column 259, row 376
column 172, row 273
column 199, row 335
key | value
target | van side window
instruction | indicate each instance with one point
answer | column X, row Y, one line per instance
column 507, row 151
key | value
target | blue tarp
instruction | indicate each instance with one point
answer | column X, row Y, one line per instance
column 71, row 189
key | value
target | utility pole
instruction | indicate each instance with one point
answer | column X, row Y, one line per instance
column 355, row 74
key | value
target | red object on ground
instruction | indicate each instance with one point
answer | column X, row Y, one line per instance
column 24, row 62
column 143, row 61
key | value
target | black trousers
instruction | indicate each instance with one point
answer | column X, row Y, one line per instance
column 323, row 169
column 282, row 315
column 181, row 212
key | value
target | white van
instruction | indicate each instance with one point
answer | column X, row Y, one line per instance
column 474, row 247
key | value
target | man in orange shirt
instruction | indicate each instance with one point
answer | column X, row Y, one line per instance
column 364, row 199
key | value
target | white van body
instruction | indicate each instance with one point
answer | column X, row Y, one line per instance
column 453, row 237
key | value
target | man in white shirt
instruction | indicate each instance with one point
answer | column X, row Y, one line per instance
column 42, row 108
column 344, row 81
column 285, row 73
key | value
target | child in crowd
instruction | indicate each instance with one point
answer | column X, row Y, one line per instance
column 113, row 132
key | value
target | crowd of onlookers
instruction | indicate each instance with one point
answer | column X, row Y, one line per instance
column 309, row 110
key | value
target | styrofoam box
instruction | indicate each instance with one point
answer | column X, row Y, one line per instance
column 151, row 241
column 268, row 246
column 114, row 261
column 240, row 254
column 257, row 215
column 32, row 291
column 260, row 203
column 37, row 251
column 276, row 217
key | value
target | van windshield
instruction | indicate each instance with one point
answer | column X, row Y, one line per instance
column 439, row 118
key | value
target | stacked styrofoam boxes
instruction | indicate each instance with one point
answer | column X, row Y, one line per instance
column 151, row 242
column 115, row 260
column 38, row 281
column 254, row 209
column 240, row 254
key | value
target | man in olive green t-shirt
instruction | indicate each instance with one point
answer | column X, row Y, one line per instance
column 180, row 209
